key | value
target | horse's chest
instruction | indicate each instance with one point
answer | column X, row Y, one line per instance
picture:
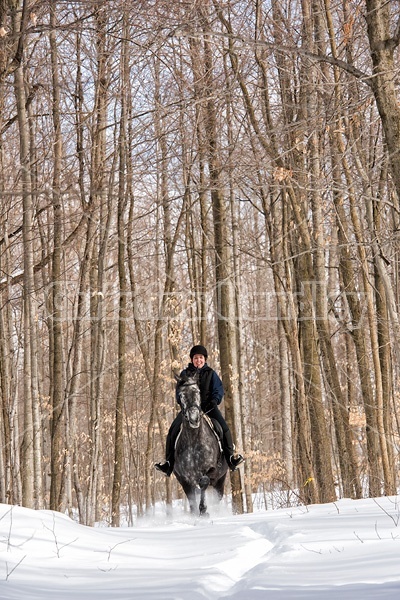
column 195, row 456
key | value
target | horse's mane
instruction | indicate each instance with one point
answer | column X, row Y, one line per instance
column 186, row 380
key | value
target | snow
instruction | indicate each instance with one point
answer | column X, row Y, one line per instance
column 349, row 549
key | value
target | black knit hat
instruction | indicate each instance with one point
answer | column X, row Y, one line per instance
column 198, row 350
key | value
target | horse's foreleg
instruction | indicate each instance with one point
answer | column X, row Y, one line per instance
column 203, row 483
column 190, row 495
column 192, row 502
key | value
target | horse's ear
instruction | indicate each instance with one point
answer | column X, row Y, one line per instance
column 177, row 378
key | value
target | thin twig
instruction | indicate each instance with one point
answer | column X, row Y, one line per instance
column 119, row 543
column 358, row 537
column 13, row 569
column 395, row 520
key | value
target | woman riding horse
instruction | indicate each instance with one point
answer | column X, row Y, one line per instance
column 211, row 393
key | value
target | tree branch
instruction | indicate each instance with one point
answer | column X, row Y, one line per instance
column 29, row 101
column 13, row 280
column 336, row 62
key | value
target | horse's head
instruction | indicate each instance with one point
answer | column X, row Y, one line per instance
column 189, row 396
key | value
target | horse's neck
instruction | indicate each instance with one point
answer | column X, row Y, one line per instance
column 192, row 432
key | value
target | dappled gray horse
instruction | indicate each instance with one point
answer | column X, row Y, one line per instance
column 199, row 461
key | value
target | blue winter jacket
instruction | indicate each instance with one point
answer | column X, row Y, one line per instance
column 210, row 384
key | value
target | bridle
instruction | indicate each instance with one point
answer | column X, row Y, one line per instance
column 192, row 413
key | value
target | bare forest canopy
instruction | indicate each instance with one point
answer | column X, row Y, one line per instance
column 223, row 172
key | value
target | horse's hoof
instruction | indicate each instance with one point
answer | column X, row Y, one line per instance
column 204, row 514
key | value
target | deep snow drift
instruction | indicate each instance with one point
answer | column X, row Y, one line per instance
column 345, row 550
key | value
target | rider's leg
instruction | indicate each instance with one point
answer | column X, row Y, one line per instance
column 168, row 466
column 232, row 460
column 227, row 442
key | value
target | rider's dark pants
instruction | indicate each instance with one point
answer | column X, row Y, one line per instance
column 214, row 413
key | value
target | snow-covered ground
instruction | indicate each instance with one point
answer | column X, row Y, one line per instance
column 346, row 550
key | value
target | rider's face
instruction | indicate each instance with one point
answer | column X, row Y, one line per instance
column 199, row 361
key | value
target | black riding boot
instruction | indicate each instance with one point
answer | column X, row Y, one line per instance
column 165, row 468
column 232, row 460
column 168, row 466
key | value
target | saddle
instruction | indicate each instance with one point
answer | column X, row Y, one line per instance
column 215, row 428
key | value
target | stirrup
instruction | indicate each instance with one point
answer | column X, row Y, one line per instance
column 164, row 468
column 235, row 461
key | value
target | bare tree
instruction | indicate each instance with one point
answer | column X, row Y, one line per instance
column 32, row 471
column 123, row 288
column 57, row 486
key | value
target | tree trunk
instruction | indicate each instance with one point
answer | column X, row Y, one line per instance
column 122, row 313
column 226, row 312
column 340, row 405
column 6, row 384
column 201, row 104
column 358, row 335
column 31, row 468
column 382, row 46
column 57, row 498
column 98, row 196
